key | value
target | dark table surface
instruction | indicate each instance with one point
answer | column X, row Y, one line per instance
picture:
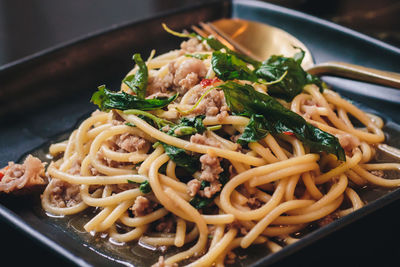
column 27, row 27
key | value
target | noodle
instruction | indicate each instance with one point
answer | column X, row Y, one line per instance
column 122, row 165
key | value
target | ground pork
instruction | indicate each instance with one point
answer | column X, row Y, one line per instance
column 124, row 143
column 193, row 187
column 327, row 219
column 230, row 257
column 158, row 86
column 210, row 167
column 188, row 74
column 27, row 175
column 254, row 203
column 93, row 170
column 161, row 263
column 180, row 77
column 378, row 173
column 128, row 143
column 116, row 119
column 213, row 104
column 166, row 225
column 203, row 140
column 142, row 206
column 348, row 141
column 64, row 194
column 118, row 188
column 75, row 168
column 193, row 45
column 211, row 190
column 189, row 81
column 106, row 161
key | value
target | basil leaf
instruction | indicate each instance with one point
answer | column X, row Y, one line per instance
column 182, row 159
column 294, row 77
column 229, row 67
column 198, row 56
column 107, row 100
column 217, row 45
column 188, row 126
column 145, row 187
column 149, row 118
column 200, row 202
column 130, row 124
column 138, row 81
column 254, row 130
column 244, row 100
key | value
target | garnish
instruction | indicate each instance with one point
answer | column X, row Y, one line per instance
column 182, row 159
column 208, row 82
column 198, row 56
column 200, row 202
column 229, row 67
column 185, row 112
column 107, row 100
column 158, row 121
column 138, row 81
column 144, row 187
column 267, row 115
column 285, row 76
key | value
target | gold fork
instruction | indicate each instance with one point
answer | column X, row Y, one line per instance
column 259, row 41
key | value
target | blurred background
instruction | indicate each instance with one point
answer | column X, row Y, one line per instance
column 27, row 27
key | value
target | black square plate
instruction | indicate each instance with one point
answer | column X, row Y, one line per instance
column 57, row 84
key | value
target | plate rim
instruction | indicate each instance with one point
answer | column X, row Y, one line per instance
column 14, row 220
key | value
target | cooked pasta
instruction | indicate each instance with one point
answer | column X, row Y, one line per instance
column 174, row 158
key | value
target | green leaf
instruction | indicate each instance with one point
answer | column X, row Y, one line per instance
column 138, row 81
column 145, row 187
column 182, row 159
column 149, row 118
column 188, row 126
column 107, row 100
column 293, row 82
column 244, row 100
column 200, row 202
column 130, row 124
column 198, row 56
column 217, row 45
column 254, row 130
column 229, row 67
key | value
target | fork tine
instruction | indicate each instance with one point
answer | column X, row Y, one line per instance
column 208, row 29
column 235, row 45
column 199, row 31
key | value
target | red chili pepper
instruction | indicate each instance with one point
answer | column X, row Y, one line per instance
column 208, row 82
column 1, row 172
column 288, row 133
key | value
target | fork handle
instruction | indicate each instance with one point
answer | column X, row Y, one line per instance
column 356, row 72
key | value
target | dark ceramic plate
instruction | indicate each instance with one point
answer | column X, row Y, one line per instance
column 57, row 85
